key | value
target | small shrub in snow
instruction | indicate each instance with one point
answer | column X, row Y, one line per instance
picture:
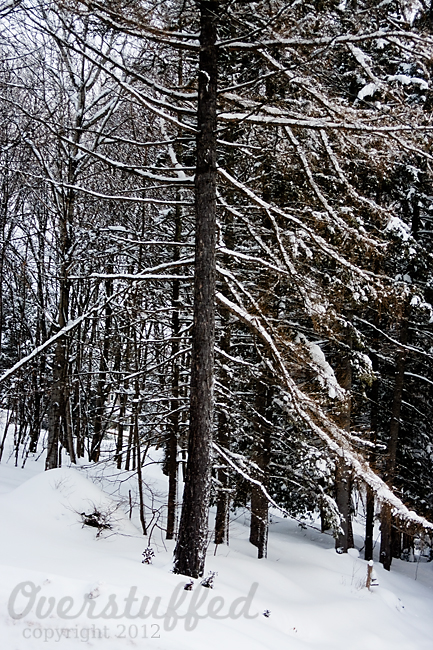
column 208, row 582
column 97, row 519
column 189, row 585
column 148, row 554
column 95, row 593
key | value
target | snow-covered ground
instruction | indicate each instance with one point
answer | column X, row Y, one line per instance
column 64, row 586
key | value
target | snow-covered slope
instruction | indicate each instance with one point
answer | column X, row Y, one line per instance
column 53, row 567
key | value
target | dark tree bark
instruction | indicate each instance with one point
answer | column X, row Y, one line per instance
column 391, row 463
column 139, row 458
column 396, row 540
column 408, row 543
column 343, row 474
column 369, row 525
column 40, row 337
column 57, row 407
column 343, row 491
column 189, row 557
column 223, row 439
column 59, row 394
column 120, row 429
column 374, row 422
column 262, row 457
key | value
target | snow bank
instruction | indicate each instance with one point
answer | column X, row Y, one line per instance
column 314, row 598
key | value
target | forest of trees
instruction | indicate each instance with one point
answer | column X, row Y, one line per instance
column 216, row 231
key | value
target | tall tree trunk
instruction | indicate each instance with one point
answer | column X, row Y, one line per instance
column 102, row 389
column 57, row 406
column 38, row 374
column 223, row 431
column 136, row 409
column 343, row 474
column 369, row 525
column 120, row 429
column 123, row 398
column 374, row 422
column 343, row 493
column 174, row 405
column 223, row 439
column 59, row 394
column 391, row 462
column 76, row 410
column 190, row 552
column 262, row 457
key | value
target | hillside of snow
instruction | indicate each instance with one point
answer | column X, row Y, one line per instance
column 65, row 584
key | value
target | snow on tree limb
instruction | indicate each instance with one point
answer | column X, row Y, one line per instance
column 318, row 123
column 72, row 324
column 316, row 419
column 317, row 239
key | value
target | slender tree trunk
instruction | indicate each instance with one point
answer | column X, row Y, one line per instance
column 343, row 474
column 262, row 457
column 40, row 337
column 190, row 552
column 68, row 429
column 369, row 525
column 5, row 432
column 223, row 438
column 343, row 492
column 223, row 496
column 120, row 428
column 374, row 423
column 223, row 432
column 128, row 449
column 102, row 391
column 123, row 398
column 59, row 397
column 57, row 407
column 396, row 540
column 259, row 522
column 408, row 544
column 385, row 536
column 391, row 463
column 76, row 411
column 174, row 405
column 138, row 455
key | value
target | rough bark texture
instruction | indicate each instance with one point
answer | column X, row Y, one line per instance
column 259, row 522
column 190, row 550
column 343, row 491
